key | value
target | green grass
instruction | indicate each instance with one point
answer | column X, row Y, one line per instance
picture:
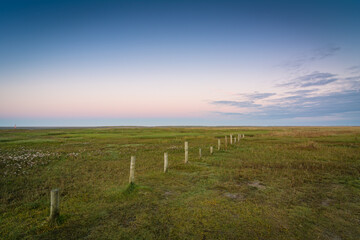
column 277, row 183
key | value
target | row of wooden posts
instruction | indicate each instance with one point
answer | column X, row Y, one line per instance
column 55, row 197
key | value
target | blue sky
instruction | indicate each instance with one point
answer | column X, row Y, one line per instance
column 96, row 63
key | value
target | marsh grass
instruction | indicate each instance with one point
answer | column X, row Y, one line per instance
column 276, row 183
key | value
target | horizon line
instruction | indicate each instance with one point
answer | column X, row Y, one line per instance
column 165, row 126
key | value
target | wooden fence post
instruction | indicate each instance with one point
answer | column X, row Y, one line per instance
column 186, row 152
column 54, row 204
column 238, row 137
column 199, row 153
column 231, row 139
column 219, row 144
column 132, row 170
column 166, row 163
column 225, row 142
column 211, row 150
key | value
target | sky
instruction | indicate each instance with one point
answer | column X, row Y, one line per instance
column 155, row 63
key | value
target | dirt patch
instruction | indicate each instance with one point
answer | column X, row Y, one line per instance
column 235, row 196
column 326, row 202
column 168, row 193
column 257, row 185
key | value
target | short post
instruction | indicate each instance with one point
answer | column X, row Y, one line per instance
column 166, row 163
column 199, row 153
column 243, row 135
column 211, row 150
column 186, row 152
column 54, row 204
column 231, row 139
column 132, row 170
column 238, row 137
column 219, row 143
column 225, row 142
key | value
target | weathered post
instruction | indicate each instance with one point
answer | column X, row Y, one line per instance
column 166, row 163
column 234, row 140
column 243, row 135
column 54, row 205
column 132, row 170
column 225, row 142
column 199, row 153
column 231, row 139
column 211, row 150
column 219, row 143
column 238, row 137
column 186, row 152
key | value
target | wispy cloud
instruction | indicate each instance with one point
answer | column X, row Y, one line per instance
column 309, row 80
column 352, row 82
column 256, row 95
column 316, row 94
column 243, row 104
column 314, row 55
column 353, row 69
column 304, row 106
column 325, row 52
column 248, row 100
column 302, row 92
column 229, row 113
column 333, row 103
column 302, row 102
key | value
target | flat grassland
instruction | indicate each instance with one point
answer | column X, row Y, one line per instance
column 276, row 183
